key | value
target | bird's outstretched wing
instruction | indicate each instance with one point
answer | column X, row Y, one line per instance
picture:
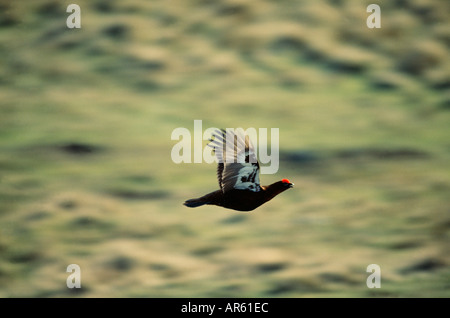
column 238, row 167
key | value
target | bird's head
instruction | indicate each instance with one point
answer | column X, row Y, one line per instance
column 276, row 188
column 286, row 183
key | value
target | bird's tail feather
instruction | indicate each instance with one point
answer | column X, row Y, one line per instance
column 193, row 203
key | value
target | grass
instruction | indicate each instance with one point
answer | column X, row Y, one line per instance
column 85, row 169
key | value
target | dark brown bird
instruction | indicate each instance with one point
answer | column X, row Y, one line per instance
column 238, row 175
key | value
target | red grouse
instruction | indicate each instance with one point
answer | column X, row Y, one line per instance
column 238, row 174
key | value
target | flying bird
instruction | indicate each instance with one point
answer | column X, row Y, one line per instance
column 238, row 175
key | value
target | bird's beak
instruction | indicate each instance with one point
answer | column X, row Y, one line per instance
column 291, row 185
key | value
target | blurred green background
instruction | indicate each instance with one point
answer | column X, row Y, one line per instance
column 85, row 169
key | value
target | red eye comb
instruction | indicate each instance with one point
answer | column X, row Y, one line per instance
column 285, row 181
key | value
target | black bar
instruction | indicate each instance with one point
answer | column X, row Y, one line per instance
column 149, row 307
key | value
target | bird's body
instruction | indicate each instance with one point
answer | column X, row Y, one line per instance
column 238, row 175
column 240, row 200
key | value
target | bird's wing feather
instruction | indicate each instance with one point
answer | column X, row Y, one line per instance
column 238, row 167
